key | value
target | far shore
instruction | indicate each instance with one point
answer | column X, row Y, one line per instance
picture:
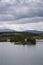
column 20, row 37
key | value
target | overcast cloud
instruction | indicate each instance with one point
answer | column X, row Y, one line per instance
column 22, row 12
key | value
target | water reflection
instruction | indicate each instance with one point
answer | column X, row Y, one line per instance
column 15, row 43
column 24, row 43
column 21, row 55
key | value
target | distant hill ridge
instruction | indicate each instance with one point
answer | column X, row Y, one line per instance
column 33, row 31
column 29, row 31
column 6, row 30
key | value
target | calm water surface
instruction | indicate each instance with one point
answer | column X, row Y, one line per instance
column 11, row 54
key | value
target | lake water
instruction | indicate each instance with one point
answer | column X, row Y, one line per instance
column 11, row 54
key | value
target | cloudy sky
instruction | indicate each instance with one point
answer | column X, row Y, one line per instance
column 21, row 14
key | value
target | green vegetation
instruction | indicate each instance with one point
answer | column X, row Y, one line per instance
column 20, row 37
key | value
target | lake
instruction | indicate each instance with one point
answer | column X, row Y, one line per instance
column 11, row 54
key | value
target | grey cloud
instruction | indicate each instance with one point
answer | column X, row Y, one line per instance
column 6, row 17
column 27, row 20
column 19, row 11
